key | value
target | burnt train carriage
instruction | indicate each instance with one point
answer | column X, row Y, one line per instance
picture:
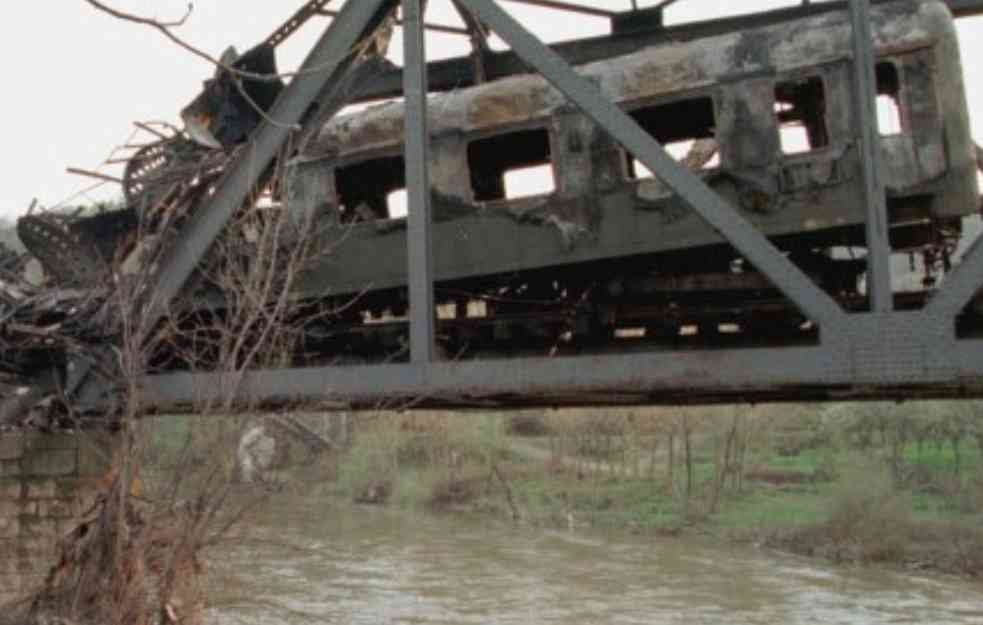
column 771, row 101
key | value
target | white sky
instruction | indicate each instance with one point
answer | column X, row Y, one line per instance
column 76, row 78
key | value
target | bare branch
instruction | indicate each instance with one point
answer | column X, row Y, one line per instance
column 129, row 17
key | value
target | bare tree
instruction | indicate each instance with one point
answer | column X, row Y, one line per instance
column 136, row 557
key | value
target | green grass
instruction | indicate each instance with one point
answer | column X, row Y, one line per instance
column 603, row 502
column 409, row 462
column 931, row 507
column 762, row 508
column 805, row 462
column 944, row 458
column 847, row 487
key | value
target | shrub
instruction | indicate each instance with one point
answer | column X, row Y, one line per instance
column 454, row 491
column 868, row 519
column 369, row 468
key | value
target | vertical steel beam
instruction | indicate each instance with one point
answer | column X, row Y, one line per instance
column 328, row 58
column 417, row 150
column 813, row 301
column 868, row 137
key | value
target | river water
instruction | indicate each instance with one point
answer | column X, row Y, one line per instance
column 313, row 563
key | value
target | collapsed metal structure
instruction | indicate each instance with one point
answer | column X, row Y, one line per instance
column 883, row 345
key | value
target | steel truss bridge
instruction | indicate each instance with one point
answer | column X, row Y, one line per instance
column 878, row 352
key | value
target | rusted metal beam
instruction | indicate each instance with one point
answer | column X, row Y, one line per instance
column 93, row 174
column 296, row 21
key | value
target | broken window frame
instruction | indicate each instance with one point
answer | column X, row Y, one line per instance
column 346, row 214
column 543, row 124
column 802, row 77
column 626, row 159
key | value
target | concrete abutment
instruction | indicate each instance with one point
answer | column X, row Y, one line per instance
column 47, row 481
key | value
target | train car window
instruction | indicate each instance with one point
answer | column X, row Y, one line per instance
column 800, row 111
column 372, row 189
column 398, row 203
column 678, row 126
column 888, row 99
column 511, row 165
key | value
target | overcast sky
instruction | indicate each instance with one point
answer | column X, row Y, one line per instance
column 76, row 78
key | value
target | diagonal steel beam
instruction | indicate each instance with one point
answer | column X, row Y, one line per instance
column 417, row 142
column 479, row 42
column 335, row 78
column 720, row 215
column 327, row 63
column 959, row 285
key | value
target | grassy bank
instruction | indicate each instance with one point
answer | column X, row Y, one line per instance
column 852, row 483
column 901, row 484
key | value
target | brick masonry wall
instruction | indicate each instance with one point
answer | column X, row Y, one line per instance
column 46, row 482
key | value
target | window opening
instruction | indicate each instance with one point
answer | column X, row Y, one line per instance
column 800, row 110
column 888, row 99
column 511, row 166
column 477, row 309
column 529, row 181
column 398, row 204
column 684, row 128
column 372, row 189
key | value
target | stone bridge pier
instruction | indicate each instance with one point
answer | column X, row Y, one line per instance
column 46, row 482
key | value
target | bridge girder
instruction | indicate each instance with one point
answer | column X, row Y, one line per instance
column 878, row 354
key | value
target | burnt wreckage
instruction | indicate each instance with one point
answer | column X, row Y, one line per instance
column 562, row 270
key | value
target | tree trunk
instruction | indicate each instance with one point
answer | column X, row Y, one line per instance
column 687, row 443
column 671, row 462
column 655, row 452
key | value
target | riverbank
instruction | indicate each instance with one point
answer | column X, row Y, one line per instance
column 870, row 483
column 901, row 485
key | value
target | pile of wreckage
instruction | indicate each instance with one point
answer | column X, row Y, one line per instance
column 61, row 299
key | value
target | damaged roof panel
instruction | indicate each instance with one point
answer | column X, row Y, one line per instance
column 657, row 70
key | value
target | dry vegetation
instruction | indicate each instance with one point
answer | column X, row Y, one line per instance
column 136, row 556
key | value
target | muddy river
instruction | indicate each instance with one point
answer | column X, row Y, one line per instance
column 318, row 564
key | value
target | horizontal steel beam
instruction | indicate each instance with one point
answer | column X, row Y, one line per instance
column 569, row 7
column 437, row 28
column 888, row 356
column 647, row 375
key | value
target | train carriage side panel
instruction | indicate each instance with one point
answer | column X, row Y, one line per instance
column 598, row 209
